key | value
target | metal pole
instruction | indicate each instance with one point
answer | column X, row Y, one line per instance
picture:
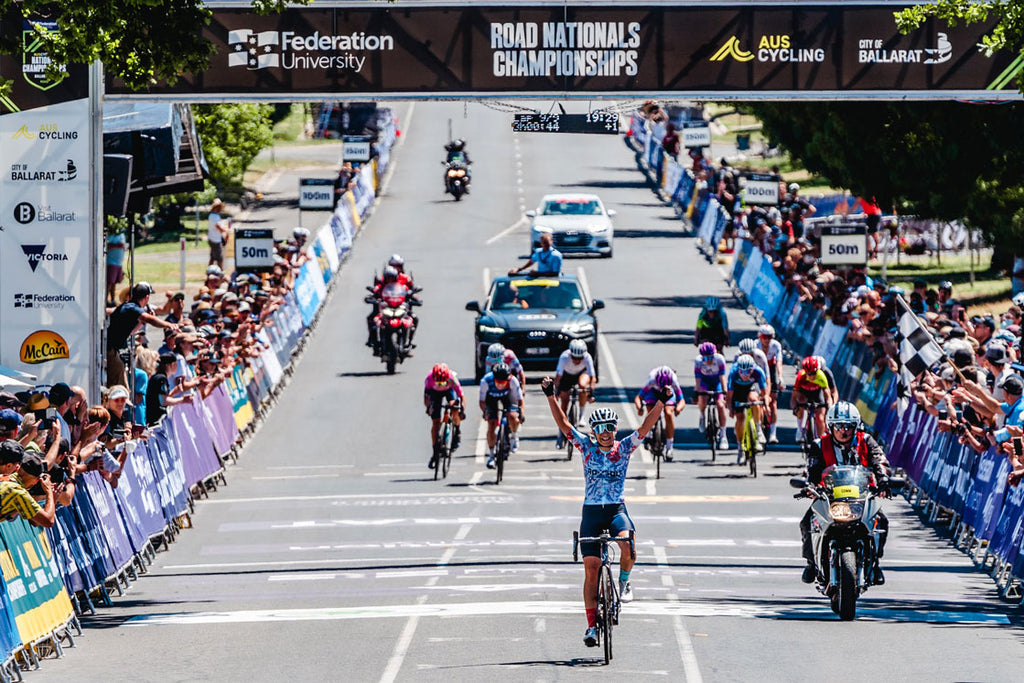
column 970, row 255
column 885, row 254
column 97, row 280
column 182, row 264
column 197, row 220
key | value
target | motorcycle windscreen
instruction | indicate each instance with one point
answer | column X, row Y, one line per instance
column 846, row 481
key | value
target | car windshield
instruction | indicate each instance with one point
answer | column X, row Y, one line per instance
column 572, row 207
column 535, row 293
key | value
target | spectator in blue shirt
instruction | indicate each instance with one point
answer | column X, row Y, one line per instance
column 547, row 258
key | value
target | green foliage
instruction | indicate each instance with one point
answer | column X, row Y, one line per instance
column 232, row 135
column 944, row 160
column 140, row 42
column 1006, row 35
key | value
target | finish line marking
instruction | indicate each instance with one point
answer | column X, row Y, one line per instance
column 535, row 608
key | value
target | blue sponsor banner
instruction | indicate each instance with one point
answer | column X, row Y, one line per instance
column 137, row 497
column 67, row 540
column 94, row 540
column 119, row 546
column 9, row 638
column 767, row 292
column 169, row 473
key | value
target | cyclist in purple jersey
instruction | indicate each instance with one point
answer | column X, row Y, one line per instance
column 709, row 375
column 660, row 377
column 605, row 461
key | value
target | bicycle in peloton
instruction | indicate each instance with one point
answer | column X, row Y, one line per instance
column 608, row 603
column 443, row 444
column 750, row 443
column 502, row 444
column 711, row 426
column 573, row 415
column 656, row 444
column 810, row 426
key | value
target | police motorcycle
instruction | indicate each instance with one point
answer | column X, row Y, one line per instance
column 844, row 532
column 393, row 323
column 456, row 173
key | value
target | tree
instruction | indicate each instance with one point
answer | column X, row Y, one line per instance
column 1007, row 35
column 232, row 135
column 140, row 42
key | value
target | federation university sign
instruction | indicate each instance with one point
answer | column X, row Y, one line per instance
column 573, row 49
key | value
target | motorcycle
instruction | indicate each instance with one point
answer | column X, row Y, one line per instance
column 393, row 323
column 844, row 532
column 456, row 178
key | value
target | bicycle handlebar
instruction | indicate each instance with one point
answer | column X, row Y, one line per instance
column 747, row 404
column 603, row 539
column 814, row 405
column 701, row 392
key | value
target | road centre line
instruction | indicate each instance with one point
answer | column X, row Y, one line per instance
column 331, row 496
column 514, row 226
column 309, row 467
column 283, row 477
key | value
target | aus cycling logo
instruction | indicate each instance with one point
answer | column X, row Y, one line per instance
column 770, row 48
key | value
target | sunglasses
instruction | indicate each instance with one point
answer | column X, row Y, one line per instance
column 604, row 428
column 443, row 384
column 844, row 427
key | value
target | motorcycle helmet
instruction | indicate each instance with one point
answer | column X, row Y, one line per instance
column 500, row 372
column 577, row 348
column 602, row 416
column 745, row 363
column 441, row 373
column 397, row 262
column 842, row 414
column 390, row 275
column 946, row 286
column 810, row 365
column 708, row 349
column 495, row 352
column 300, row 233
column 747, row 346
column 766, row 330
column 664, row 376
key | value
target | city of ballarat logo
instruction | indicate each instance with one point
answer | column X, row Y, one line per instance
column 24, row 172
column 34, row 59
column 42, row 346
column 36, row 254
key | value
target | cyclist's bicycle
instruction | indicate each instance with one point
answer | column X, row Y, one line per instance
column 711, row 426
column 810, row 426
column 607, row 589
column 573, row 414
column 656, row 443
column 445, row 436
column 502, row 443
column 750, row 442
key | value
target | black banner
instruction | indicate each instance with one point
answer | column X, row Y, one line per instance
column 576, row 50
column 31, row 86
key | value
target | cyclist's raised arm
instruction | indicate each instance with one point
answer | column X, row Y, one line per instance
column 652, row 416
column 547, row 385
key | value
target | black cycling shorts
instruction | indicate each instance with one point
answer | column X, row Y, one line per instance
column 437, row 400
column 491, row 404
column 740, row 394
column 567, row 381
column 598, row 518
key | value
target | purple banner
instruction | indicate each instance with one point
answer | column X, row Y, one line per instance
column 138, row 498
column 223, row 416
column 169, row 472
column 194, row 445
column 111, row 527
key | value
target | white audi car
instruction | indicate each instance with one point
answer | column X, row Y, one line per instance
column 578, row 223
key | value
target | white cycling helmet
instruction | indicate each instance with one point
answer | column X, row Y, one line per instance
column 577, row 348
column 495, row 352
column 766, row 330
column 745, row 363
column 1018, row 300
column 300, row 232
column 747, row 346
column 603, row 416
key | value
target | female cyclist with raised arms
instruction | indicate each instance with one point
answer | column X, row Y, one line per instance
column 605, row 461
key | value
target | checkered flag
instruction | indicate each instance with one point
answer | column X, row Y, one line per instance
column 254, row 50
column 918, row 351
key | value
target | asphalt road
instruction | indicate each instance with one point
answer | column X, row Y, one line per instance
column 333, row 555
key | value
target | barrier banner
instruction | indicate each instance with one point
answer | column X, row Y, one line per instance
column 319, row 254
column 1005, row 541
column 766, row 292
column 119, row 545
column 210, row 424
column 986, row 494
column 740, row 261
column 197, row 455
column 137, row 498
column 9, row 638
column 877, row 395
column 750, row 272
column 326, row 244
column 94, row 541
column 239, row 398
column 673, row 176
column 38, row 599
column 169, row 473
column 828, row 341
column 308, row 291
column 75, row 565
column 223, row 414
column 269, row 359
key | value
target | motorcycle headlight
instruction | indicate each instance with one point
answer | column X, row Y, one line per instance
column 845, row 512
column 488, row 329
column 578, row 329
column 452, row 173
column 460, row 173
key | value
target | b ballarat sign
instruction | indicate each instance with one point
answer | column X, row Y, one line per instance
column 578, row 50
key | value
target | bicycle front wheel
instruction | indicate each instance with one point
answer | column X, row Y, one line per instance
column 711, row 429
column 501, row 453
column 606, row 603
column 445, row 460
column 574, row 414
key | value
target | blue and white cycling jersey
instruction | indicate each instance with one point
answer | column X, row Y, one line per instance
column 709, row 369
column 604, row 472
column 488, row 389
column 756, row 376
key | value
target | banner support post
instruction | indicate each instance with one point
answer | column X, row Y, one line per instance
column 97, row 278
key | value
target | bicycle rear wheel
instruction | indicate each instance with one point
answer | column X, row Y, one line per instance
column 658, row 447
column 750, row 442
column 711, row 429
column 501, row 451
column 606, row 602
column 445, row 459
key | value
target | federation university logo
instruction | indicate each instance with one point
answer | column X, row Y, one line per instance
column 254, row 50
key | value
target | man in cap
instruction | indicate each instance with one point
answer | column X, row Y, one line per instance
column 982, row 327
column 9, row 400
column 173, row 309
column 123, row 320
column 14, row 499
column 10, row 421
column 61, row 399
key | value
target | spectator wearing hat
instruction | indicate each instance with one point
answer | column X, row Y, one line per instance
column 214, row 278
column 122, row 322
column 173, row 309
column 116, row 245
column 10, row 422
column 160, row 395
column 61, row 399
column 981, row 327
column 946, row 301
column 217, row 231
column 9, row 400
column 14, row 499
column 115, row 403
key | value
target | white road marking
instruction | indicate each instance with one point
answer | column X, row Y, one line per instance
column 532, row 609
column 333, row 496
column 283, row 477
column 290, row 563
column 487, row 279
column 301, row 577
column 691, row 669
column 514, row 226
column 309, row 467
column 414, row 473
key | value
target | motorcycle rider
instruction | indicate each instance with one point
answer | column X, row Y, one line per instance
column 845, row 443
column 389, row 286
column 499, row 386
column 712, row 324
column 442, row 383
column 404, row 278
column 652, row 392
column 457, row 154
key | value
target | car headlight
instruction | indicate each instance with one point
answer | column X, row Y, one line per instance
column 599, row 229
column 578, row 329
column 542, row 228
column 490, row 329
